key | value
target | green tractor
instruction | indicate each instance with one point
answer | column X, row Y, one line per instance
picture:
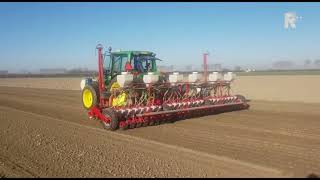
column 139, row 63
column 130, row 92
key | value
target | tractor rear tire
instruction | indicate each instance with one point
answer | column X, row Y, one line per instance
column 244, row 100
column 90, row 96
column 114, row 123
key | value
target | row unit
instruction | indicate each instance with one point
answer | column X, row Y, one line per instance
column 126, row 78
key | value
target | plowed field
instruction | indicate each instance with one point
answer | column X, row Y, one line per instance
column 46, row 133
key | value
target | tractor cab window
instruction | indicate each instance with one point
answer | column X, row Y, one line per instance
column 106, row 63
column 123, row 62
column 138, row 66
column 107, row 67
column 143, row 63
column 118, row 64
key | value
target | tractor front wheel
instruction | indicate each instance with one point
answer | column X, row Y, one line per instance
column 90, row 96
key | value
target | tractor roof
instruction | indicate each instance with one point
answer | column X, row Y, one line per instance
column 133, row 52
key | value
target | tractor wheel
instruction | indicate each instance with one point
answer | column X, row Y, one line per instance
column 114, row 123
column 244, row 100
column 90, row 96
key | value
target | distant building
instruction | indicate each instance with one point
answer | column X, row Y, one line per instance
column 78, row 70
column 4, row 72
column 53, row 71
column 283, row 65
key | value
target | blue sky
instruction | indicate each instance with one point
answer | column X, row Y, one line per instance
column 42, row 35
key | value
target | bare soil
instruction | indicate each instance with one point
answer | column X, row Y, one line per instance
column 46, row 133
column 285, row 88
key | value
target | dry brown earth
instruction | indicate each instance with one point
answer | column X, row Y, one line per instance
column 46, row 83
column 45, row 133
column 296, row 88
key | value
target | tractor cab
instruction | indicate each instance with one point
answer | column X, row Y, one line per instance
column 138, row 63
